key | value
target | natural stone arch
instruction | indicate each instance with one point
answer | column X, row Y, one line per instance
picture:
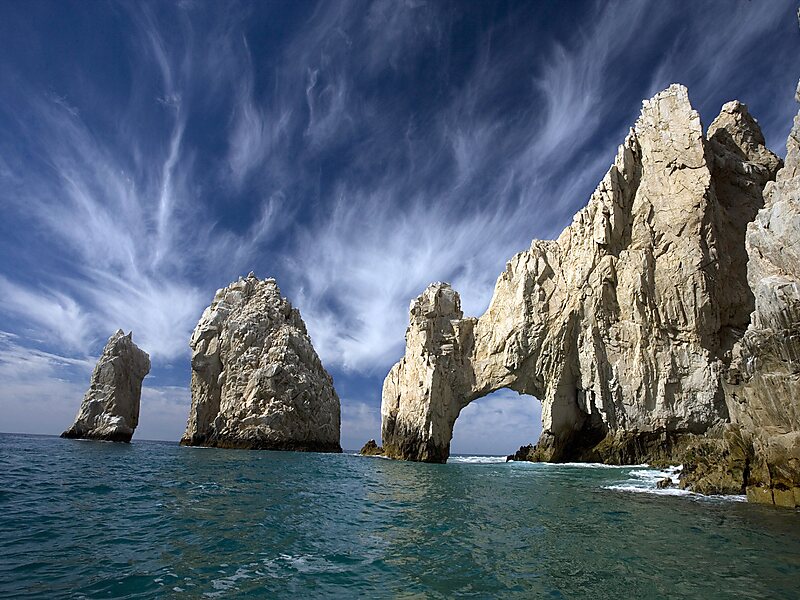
column 623, row 325
column 444, row 371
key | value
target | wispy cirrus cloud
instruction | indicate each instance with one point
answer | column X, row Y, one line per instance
column 489, row 175
column 126, row 217
column 54, row 312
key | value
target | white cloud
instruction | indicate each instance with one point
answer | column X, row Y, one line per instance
column 163, row 412
column 47, row 314
column 41, row 392
column 381, row 243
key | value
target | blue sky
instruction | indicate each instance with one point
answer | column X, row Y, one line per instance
column 151, row 153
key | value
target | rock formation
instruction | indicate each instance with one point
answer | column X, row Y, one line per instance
column 110, row 408
column 627, row 325
column 371, row 448
column 256, row 380
column 763, row 383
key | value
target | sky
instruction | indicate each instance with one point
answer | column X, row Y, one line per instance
column 153, row 152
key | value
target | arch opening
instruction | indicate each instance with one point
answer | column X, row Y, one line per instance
column 497, row 424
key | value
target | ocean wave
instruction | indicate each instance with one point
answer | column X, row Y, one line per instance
column 476, row 459
column 584, row 465
column 645, row 481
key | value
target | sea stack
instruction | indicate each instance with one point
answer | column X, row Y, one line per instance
column 110, row 408
column 257, row 381
column 630, row 327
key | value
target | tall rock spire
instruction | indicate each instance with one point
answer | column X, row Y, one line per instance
column 110, row 408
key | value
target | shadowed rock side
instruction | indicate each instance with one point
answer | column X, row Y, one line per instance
column 763, row 383
column 110, row 408
column 625, row 325
column 257, row 381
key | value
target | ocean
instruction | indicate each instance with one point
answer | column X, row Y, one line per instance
column 83, row 519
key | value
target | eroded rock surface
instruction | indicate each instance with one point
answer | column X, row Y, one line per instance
column 110, row 409
column 257, row 381
column 763, row 383
column 625, row 325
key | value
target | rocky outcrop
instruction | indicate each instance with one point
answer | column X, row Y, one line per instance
column 763, row 383
column 371, row 448
column 257, row 381
column 625, row 326
column 110, row 408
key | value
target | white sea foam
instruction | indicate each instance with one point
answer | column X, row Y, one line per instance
column 645, row 481
column 476, row 459
column 224, row 585
column 370, row 456
column 583, row 465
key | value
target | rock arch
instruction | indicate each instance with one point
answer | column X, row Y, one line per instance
column 623, row 325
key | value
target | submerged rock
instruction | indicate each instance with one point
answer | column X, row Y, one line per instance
column 110, row 408
column 627, row 325
column 524, row 453
column 371, row 448
column 257, row 381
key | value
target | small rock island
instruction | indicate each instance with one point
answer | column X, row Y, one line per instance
column 110, row 408
column 257, row 381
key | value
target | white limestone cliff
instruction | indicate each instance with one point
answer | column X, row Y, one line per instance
column 257, row 381
column 625, row 326
column 110, row 409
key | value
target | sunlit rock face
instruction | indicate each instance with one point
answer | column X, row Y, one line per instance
column 257, row 381
column 110, row 408
column 624, row 326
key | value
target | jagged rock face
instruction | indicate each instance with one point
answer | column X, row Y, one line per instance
column 110, row 408
column 257, row 381
column 624, row 325
column 763, row 383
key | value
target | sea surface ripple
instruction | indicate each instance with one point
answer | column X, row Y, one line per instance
column 154, row 520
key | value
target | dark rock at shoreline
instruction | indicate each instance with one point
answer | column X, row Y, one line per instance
column 525, row 453
column 371, row 448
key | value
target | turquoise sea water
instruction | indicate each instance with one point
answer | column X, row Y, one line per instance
column 153, row 520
